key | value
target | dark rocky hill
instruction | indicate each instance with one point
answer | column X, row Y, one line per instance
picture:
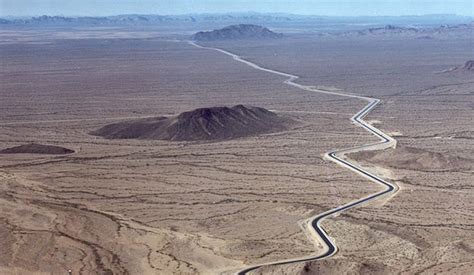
column 216, row 123
column 34, row 148
column 391, row 29
column 469, row 65
column 385, row 30
column 241, row 31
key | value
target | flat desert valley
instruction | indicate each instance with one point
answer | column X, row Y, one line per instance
column 152, row 206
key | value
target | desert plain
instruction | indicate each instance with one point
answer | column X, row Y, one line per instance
column 128, row 206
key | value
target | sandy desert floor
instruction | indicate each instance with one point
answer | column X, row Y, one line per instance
column 157, row 207
column 428, row 227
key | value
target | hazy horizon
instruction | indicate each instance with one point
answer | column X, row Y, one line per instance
column 183, row 7
column 235, row 13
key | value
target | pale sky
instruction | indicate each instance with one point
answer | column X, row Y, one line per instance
column 314, row 7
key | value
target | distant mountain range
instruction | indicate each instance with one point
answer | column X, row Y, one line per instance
column 109, row 20
column 241, row 31
column 134, row 19
column 420, row 32
column 420, row 27
column 138, row 19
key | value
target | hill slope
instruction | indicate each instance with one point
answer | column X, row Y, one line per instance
column 411, row 158
column 217, row 123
